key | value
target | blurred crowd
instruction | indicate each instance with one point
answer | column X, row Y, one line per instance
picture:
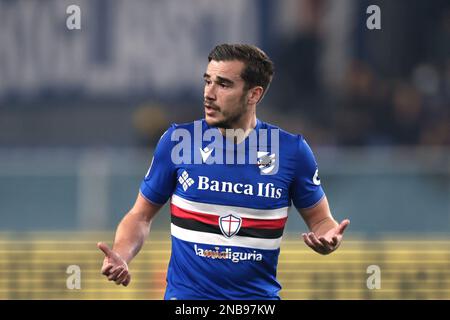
column 336, row 82
column 396, row 87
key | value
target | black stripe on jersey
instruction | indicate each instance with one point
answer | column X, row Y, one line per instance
column 195, row 225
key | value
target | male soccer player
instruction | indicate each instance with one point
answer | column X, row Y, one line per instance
column 230, row 188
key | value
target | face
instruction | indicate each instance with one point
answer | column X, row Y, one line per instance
column 224, row 96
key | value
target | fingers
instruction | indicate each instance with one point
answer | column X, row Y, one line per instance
column 106, row 250
column 342, row 226
column 335, row 241
column 114, row 273
column 327, row 245
column 121, row 277
column 107, row 268
column 114, row 268
column 127, row 280
column 307, row 241
column 312, row 242
column 322, row 249
column 321, row 244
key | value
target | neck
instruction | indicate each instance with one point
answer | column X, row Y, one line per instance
column 242, row 127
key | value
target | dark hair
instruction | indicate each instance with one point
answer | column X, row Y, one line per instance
column 259, row 69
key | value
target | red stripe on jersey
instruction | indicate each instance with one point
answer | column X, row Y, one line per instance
column 214, row 219
column 186, row 214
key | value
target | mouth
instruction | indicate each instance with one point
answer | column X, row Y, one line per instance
column 210, row 110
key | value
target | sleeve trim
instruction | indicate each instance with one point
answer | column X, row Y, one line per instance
column 314, row 204
column 158, row 198
column 152, row 202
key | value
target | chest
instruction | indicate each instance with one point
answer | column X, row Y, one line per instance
column 234, row 184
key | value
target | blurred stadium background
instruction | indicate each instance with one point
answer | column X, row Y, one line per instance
column 81, row 110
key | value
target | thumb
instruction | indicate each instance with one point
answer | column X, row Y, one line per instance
column 106, row 250
column 342, row 226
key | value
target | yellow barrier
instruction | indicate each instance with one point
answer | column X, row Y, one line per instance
column 34, row 265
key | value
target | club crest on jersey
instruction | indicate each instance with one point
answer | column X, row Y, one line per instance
column 230, row 225
column 207, row 146
column 266, row 162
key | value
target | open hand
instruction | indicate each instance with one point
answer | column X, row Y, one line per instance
column 329, row 242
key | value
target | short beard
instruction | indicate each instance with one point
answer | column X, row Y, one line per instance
column 231, row 119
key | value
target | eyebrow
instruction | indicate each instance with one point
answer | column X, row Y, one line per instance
column 219, row 79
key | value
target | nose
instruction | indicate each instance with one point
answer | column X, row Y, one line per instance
column 210, row 92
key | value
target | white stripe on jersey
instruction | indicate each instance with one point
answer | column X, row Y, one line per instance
column 221, row 240
column 222, row 210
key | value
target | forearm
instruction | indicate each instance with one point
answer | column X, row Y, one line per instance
column 130, row 235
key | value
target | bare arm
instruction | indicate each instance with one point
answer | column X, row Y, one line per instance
column 326, row 234
column 130, row 236
column 134, row 228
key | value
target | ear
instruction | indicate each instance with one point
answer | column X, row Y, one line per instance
column 254, row 95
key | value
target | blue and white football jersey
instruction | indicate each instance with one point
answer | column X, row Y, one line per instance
column 229, row 205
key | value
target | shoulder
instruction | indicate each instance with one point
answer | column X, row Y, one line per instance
column 180, row 128
column 188, row 126
column 286, row 137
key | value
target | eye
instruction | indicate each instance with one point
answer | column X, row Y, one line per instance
column 223, row 85
column 207, row 81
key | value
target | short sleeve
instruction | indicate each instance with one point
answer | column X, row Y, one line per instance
column 159, row 182
column 306, row 190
